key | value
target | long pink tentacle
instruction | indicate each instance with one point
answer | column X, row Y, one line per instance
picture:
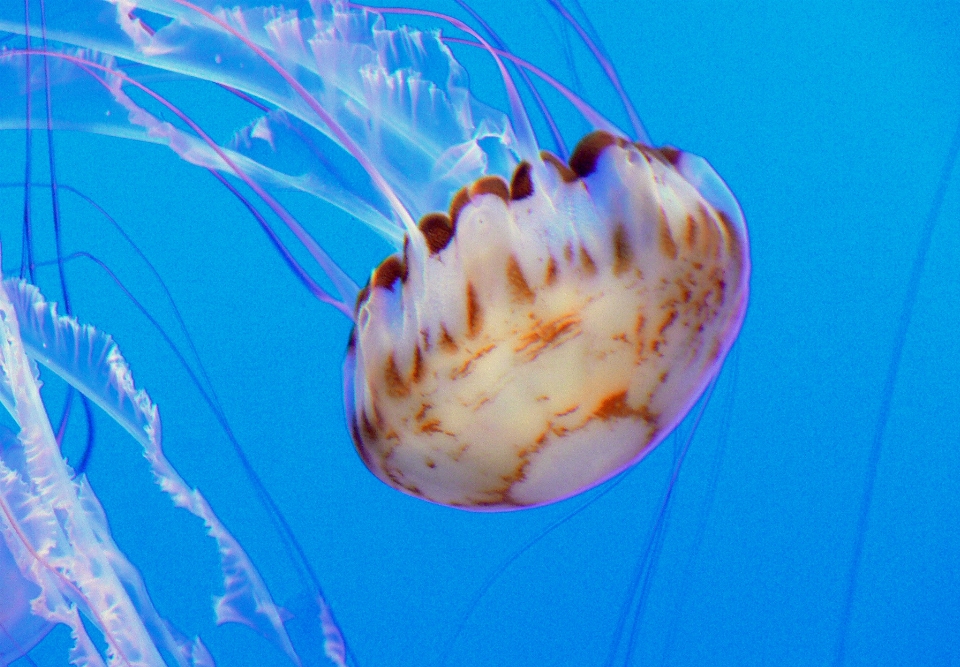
column 338, row 132
column 608, row 69
column 344, row 285
column 551, row 123
column 591, row 115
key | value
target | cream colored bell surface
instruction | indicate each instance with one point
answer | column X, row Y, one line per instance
column 546, row 334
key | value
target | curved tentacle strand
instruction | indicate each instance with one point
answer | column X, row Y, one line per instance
column 394, row 100
column 56, row 529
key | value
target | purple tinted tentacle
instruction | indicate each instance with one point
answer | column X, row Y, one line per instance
column 591, row 115
column 707, row 503
column 51, row 157
column 491, row 579
column 345, row 286
column 886, row 397
column 341, row 135
column 281, row 249
column 58, row 241
column 608, row 69
column 501, row 45
column 26, row 260
column 208, row 395
column 647, row 563
column 199, row 378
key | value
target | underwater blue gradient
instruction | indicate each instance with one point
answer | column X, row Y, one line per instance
column 831, row 123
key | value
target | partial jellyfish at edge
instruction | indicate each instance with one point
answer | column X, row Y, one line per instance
column 54, row 527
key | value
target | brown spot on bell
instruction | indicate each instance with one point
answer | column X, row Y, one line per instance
column 519, row 289
column 613, row 406
column 437, row 230
column 447, row 344
column 567, row 174
column 521, row 185
column 668, row 246
column 474, row 312
column 589, row 266
column 551, row 273
column 393, row 381
column 461, row 199
column 622, row 252
column 583, row 160
column 490, row 185
column 389, row 272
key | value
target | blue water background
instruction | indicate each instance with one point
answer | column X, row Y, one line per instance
column 830, row 122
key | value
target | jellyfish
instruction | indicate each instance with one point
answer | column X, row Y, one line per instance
column 282, row 144
column 584, row 300
column 495, row 363
column 269, row 154
column 547, row 318
column 549, row 333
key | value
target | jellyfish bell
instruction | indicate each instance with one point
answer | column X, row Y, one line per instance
column 553, row 331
